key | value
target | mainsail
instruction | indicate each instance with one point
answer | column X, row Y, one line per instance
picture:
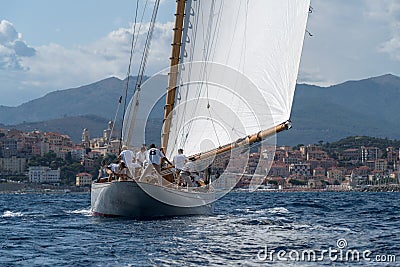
column 240, row 65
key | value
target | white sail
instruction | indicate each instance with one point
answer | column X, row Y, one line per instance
column 139, row 111
column 241, row 61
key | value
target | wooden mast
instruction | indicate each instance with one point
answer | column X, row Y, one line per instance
column 173, row 74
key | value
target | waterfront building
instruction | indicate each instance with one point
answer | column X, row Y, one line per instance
column 88, row 163
column 381, row 165
column 279, row 155
column 42, row 174
column 327, row 163
column 351, row 154
column 369, row 153
column 370, row 164
column 279, row 170
column 291, row 160
column 316, row 154
column 319, row 172
column 302, row 169
column 57, row 139
column 13, row 165
column 335, row 174
column 362, row 171
column 78, row 153
column 40, row 148
column 83, row 179
column 392, row 155
column 9, row 147
column 85, row 138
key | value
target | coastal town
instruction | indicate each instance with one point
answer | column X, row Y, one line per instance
column 50, row 158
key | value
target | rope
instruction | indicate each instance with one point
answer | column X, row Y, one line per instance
column 129, row 72
column 132, row 52
column 147, row 45
column 142, row 66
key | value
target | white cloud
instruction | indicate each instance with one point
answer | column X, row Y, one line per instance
column 12, row 47
column 7, row 32
column 390, row 12
column 348, row 40
column 51, row 67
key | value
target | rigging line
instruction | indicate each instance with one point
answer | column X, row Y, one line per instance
column 215, row 130
column 207, row 32
column 136, row 96
column 192, row 34
column 207, row 50
column 129, row 72
column 143, row 60
column 235, row 27
column 218, row 23
column 115, row 119
column 147, row 45
column 242, row 60
column 195, row 31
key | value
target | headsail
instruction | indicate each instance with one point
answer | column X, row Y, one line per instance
column 241, row 61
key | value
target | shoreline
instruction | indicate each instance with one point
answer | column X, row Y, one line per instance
column 372, row 189
column 25, row 188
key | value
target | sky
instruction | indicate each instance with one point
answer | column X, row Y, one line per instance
column 48, row 45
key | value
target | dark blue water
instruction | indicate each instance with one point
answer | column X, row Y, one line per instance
column 58, row 230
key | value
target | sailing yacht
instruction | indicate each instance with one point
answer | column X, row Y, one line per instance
column 229, row 87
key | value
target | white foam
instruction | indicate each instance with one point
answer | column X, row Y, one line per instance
column 10, row 214
column 278, row 210
column 85, row 212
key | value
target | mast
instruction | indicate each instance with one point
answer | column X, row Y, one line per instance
column 173, row 74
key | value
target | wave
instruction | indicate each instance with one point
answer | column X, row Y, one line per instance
column 278, row 210
column 10, row 214
column 85, row 212
column 262, row 211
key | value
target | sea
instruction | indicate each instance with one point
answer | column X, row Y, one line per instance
column 247, row 229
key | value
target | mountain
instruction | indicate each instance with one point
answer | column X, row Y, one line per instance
column 99, row 99
column 366, row 107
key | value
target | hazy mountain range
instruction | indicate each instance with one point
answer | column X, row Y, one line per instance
column 366, row 107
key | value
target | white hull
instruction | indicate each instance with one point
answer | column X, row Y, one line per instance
column 134, row 199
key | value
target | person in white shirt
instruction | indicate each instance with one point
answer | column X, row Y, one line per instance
column 141, row 156
column 136, row 170
column 154, row 157
column 112, row 169
column 127, row 156
column 179, row 160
